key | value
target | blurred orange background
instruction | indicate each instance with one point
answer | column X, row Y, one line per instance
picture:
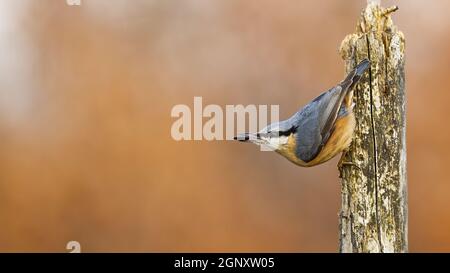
column 86, row 151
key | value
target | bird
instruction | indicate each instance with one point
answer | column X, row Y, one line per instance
column 318, row 131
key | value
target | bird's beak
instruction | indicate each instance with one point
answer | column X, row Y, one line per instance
column 257, row 139
column 246, row 137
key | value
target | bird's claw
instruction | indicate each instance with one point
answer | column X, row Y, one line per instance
column 341, row 165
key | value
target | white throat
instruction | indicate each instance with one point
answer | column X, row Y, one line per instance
column 274, row 143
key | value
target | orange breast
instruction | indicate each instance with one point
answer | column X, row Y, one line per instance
column 338, row 142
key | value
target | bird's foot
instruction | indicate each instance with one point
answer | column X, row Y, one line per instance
column 343, row 163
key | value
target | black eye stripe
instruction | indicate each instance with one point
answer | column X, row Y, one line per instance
column 277, row 133
column 281, row 133
column 285, row 133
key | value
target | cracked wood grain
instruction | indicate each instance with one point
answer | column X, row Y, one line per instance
column 373, row 216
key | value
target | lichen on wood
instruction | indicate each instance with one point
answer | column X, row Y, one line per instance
column 373, row 216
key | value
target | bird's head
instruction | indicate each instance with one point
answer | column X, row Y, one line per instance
column 274, row 137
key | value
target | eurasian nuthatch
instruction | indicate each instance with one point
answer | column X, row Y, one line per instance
column 320, row 130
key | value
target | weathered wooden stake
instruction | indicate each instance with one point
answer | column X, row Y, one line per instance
column 374, row 214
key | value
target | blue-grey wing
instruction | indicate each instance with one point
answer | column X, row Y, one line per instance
column 315, row 123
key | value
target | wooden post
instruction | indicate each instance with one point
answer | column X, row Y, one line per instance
column 374, row 214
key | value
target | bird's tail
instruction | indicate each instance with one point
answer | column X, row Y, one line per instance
column 350, row 81
column 355, row 75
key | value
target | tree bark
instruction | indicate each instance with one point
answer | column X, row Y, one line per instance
column 374, row 210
